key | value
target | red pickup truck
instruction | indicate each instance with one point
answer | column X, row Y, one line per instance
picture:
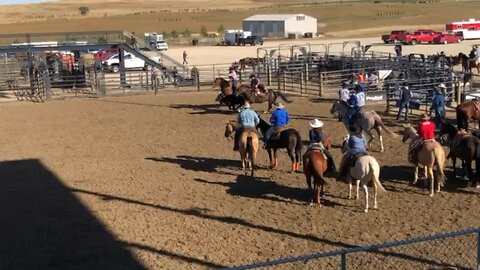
column 104, row 54
column 421, row 36
column 395, row 36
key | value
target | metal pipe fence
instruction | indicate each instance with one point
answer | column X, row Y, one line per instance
column 456, row 250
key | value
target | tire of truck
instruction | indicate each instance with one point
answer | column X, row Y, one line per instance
column 115, row 68
column 396, row 41
column 386, row 41
column 413, row 42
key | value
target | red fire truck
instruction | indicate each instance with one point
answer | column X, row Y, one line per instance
column 467, row 29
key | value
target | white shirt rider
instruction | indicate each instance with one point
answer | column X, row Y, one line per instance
column 344, row 94
column 360, row 99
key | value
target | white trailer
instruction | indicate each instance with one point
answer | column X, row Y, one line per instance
column 232, row 37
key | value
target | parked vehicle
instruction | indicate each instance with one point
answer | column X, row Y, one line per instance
column 395, row 36
column 467, row 29
column 233, row 37
column 252, row 40
column 162, row 45
column 421, row 36
column 130, row 60
column 104, row 54
column 448, row 38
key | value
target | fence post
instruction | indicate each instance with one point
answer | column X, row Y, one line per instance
column 301, row 83
column 269, row 72
column 344, row 261
column 320, row 84
column 213, row 73
column 284, row 86
column 197, row 79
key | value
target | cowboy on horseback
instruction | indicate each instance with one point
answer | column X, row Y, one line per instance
column 257, row 88
column 343, row 96
column 356, row 102
column 426, row 132
column 279, row 120
column 247, row 120
column 357, row 147
column 318, row 139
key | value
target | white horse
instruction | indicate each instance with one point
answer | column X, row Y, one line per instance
column 367, row 121
column 366, row 169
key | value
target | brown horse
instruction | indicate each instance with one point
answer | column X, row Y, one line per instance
column 315, row 164
column 248, row 61
column 431, row 155
column 271, row 96
column 466, row 111
column 465, row 147
column 225, row 86
column 248, row 146
column 468, row 63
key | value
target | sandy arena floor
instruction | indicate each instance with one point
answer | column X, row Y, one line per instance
column 87, row 181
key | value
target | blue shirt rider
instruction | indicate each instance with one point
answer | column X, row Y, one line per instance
column 356, row 102
column 279, row 119
column 247, row 119
column 438, row 104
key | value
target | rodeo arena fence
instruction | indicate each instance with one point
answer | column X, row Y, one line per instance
column 44, row 71
column 453, row 250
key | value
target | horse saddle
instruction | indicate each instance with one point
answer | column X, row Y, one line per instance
column 278, row 131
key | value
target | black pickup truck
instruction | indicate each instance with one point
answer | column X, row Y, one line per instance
column 252, row 40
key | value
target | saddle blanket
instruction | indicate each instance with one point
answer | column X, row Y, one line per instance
column 278, row 131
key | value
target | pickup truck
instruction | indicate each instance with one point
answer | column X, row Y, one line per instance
column 131, row 61
column 394, row 37
column 252, row 40
column 447, row 38
column 421, row 36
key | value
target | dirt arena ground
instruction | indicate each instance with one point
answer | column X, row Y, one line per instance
column 149, row 182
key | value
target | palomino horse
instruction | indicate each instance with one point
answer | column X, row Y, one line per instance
column 289, row 139
column 367, row 121
column 464, row 147
column 466, row 111
column 366, row 169
column 271, row 97
column 248, row 146
column 315, row 164
column 431, row 155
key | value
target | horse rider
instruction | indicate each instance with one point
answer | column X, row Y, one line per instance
column 356, row 103
column 357, row 147
column 426, row 132
column 438, row 104
column 405, row 98
column 318, row 139
column 343, row 96
column 247, row 120
column 278, row 120
column 232, row 75
column 254, row 82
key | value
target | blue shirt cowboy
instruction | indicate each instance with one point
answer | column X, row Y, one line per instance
column 279, row 118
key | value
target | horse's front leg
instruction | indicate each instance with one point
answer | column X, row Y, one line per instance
column 370, row 138
column 415, row 174
column 380, row 138
column 358, row 190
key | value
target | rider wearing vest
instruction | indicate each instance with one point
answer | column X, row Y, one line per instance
column 247, row 119
column 279, row 119
column 356, row 103
column 426, row 132
column 318, row 138
column 357, row 147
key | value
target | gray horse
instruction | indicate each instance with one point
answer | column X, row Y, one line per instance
column 367, row 121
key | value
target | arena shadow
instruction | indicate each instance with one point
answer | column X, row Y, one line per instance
column 199, row 164
column 44, row 226
column 201, row 213
column 203, row 109
column 266, row 189
column 131, row 103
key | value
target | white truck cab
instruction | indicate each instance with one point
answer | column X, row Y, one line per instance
column 131, row 61
column 162, row 45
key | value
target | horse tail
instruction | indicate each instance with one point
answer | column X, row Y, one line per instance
column 375, row 171
column 251, row 152
column 283, row 96
column 382, row 125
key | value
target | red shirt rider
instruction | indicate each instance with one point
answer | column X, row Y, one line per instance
column 426, row 129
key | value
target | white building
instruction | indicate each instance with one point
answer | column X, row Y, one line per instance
column 280, row 25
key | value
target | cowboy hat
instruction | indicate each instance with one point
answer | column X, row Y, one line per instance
column 442, row 86
column 425, row 117
column 315, row 123
column 252, row 75
column 247, row 105
column 278, row 104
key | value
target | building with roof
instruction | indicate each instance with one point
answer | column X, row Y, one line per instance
column 281, row 25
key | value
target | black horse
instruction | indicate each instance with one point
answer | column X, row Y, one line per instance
column 289, row 139
column 465, row 147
